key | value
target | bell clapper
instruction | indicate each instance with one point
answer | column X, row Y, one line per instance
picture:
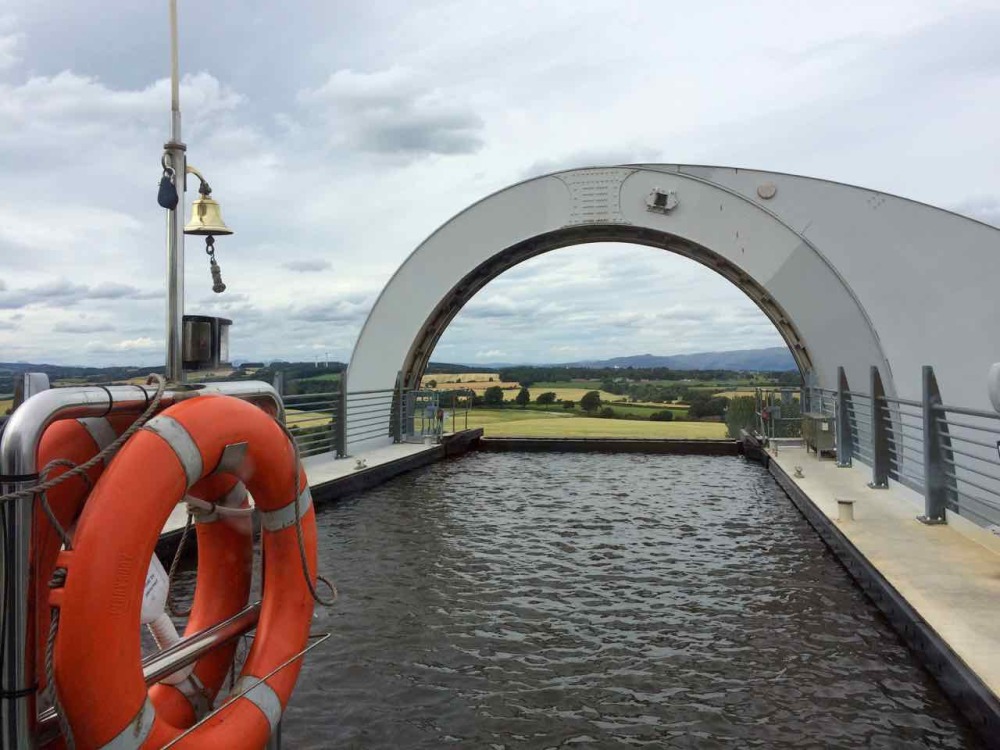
column 217, row 285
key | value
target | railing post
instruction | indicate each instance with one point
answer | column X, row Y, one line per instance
column 845, row 435
column 937, row 448
column 279, row 382
column 340, row 437
column 880, row 434
column 398, row 410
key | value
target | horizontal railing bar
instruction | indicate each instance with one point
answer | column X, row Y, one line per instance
column 299, row 433
column 986, row 502
column 313, row 437
column 356, row 405
column 377, row 390
column 309, row 452
column 978, row 486
column 971, row 441
column 991, row 461
column 973, row 470
column 981, row 428
column 331, row 394
column 904, row 401
column 366, row 423
column 325, row 404
column 365, row 431
column 967, row 412
column 368, row 436
column 365, row 408
column 355, row 415
column 315, row 450
column 320, row 429
column 353, row 406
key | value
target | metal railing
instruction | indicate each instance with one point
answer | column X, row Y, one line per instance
column 313, row 420
column 949, row 454
column 328, row 422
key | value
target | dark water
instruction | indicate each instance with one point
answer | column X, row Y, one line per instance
column 533, row 600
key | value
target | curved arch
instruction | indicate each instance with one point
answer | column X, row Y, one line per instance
column 850, row 277
column 420, row 352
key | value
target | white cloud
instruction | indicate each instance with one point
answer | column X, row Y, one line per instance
column 334, row 162
column 391, row 112
column 306, row 266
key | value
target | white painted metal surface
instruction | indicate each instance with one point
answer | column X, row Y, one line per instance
column 854, row 276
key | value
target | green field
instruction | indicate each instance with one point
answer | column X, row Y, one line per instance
column 531, row 423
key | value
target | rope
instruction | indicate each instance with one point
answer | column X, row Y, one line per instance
column 298, row 531
column 44, row 498
column 178, row 554
column 58, row 581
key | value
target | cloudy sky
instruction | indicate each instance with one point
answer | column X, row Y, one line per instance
column 338, row 135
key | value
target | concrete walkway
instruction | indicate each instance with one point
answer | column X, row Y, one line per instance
column 949, row 574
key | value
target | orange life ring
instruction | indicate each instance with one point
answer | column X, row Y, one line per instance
column 75, row 440
column 225, row 548
column 97, row 659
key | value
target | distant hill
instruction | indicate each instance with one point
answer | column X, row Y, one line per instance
column 772, row 359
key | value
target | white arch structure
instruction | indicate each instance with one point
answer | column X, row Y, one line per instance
column 850, row 277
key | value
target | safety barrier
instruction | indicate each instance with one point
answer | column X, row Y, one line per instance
column 949, row 454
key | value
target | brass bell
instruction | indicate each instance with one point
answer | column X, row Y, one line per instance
column 206, row 217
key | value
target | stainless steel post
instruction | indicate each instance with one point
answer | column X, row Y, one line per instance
column 845, row 435
column 880, row 433
column 177, row 160
column 341, row 417
column 400, row 410
column 937, row 445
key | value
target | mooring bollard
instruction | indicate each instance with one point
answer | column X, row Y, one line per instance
column 845, row 510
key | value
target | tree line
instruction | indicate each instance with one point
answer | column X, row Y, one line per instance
column 527, row 375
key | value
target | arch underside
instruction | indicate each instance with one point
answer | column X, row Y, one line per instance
column 450, row 305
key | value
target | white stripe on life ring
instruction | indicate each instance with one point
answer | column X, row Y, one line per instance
column 132, row 736
column 262, row 696
column 180, row 440
column 100, row 430
column 282, row 518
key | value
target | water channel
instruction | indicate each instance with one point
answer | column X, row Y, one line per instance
column 553, row 600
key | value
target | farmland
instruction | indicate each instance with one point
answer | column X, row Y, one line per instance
column 528, row 423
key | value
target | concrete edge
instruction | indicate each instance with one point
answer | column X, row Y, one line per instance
column 974, row 700
column 612, row 445
column 451, row 445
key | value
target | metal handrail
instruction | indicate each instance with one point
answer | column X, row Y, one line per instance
column 919, row 444
column 966, row 411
